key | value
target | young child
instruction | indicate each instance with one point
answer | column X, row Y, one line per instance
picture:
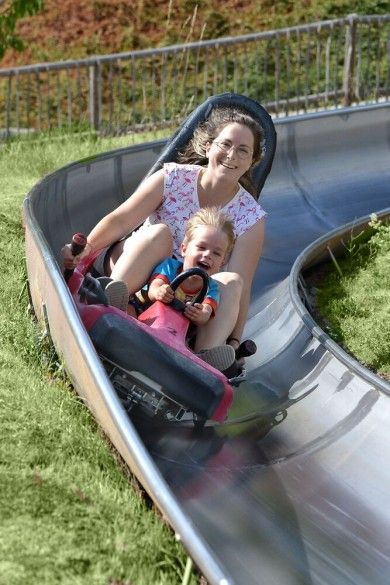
column 208, row 240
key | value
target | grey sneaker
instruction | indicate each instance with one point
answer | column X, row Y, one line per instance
column 116, row 291
column 221, row 357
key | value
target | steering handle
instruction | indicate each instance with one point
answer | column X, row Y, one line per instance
column 79, row 241
column 246, row 349
column 176, row 282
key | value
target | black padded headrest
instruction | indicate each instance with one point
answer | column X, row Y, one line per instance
column 185, row 132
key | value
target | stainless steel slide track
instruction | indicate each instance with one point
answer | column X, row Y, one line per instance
column 294, row 488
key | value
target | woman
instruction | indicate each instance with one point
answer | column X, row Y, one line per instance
column 214, row 170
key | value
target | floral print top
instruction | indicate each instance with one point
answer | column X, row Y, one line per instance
column 180, row 202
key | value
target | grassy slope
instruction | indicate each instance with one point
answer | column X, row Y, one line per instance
column 68, row 513
column 356, row 305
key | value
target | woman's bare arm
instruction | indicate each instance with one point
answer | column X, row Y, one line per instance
column 146, row 199
column 244, row 260
column 125, row 218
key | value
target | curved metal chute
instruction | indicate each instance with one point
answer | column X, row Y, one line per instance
column 293, row 489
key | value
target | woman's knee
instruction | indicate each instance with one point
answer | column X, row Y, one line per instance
column 232, row 281
column 158, row 236
column 159, row 232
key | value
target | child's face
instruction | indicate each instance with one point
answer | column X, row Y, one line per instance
column 207, row 249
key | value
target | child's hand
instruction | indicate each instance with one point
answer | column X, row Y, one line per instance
column 164, row 293
column 198, row 313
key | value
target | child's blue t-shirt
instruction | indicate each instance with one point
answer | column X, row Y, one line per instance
column 169, row 268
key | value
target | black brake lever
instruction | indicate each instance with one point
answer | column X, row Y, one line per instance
column 92, row 293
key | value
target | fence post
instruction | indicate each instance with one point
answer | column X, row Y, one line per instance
column 349, row 59
column 8, row 110
column 94, row 101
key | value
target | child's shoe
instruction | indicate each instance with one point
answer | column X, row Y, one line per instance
column 221, row 357
column 116, row 291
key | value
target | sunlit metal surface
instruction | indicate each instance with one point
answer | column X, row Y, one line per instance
column 294, row 488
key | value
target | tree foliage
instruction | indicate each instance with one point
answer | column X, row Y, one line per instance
column 10, row 12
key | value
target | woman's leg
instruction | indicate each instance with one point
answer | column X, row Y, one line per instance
column 133, row 259
column 218, row 329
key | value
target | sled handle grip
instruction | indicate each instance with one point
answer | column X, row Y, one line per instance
column 79, row 241
column 246, row 348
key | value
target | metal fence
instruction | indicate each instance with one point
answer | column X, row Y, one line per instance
column 321, row 65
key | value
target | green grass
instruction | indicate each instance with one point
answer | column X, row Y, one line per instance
column 356, row 305
column 70, row 513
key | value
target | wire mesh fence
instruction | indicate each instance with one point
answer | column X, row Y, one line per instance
column 310, row 67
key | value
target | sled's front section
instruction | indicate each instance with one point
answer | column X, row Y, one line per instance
column 137, row 349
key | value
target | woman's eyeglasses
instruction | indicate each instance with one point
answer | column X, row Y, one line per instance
column 243, row 152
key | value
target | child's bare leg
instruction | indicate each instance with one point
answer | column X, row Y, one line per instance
column 218, row 329
column 134, row 259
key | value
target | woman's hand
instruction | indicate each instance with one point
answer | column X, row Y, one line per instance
column 198, row 313
column 70, row 261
